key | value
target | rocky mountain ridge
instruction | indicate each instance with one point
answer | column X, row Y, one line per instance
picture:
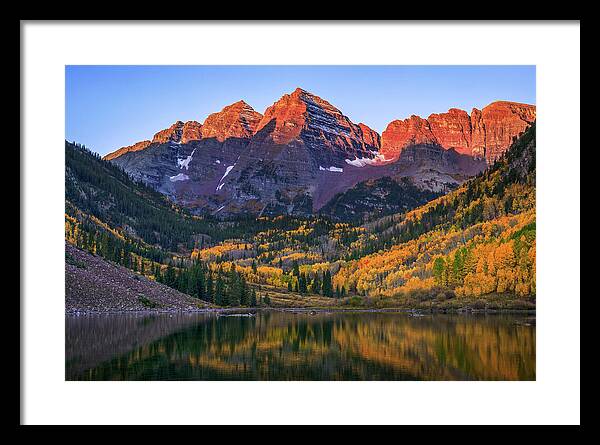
column 486, row 133
column 302, row 151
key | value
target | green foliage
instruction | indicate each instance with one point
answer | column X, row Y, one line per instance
column 375, row 198
column 439, row 267
column 146, row 302
column 327, row 286
column 73, row 261
column 354, row 301
column 527, row 231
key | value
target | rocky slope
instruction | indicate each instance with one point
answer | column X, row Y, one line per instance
column 179, row 133
column 95, row 285
column 187, row 161
column 304, row 151
column 138, row 146
column 486, row 133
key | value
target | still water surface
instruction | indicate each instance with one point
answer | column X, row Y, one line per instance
column 298, row 346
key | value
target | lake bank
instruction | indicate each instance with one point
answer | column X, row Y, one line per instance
column 308, row 310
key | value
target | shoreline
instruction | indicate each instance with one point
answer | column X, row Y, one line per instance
column 304, row 310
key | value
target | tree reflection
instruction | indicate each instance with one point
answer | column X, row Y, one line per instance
column 286, row 346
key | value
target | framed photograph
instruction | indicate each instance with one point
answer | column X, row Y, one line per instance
column 346, row 235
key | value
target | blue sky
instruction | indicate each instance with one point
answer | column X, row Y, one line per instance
column 108, row 107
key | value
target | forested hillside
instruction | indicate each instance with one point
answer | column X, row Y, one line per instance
column 375, row 198
column 103, row 190
column 478, row 240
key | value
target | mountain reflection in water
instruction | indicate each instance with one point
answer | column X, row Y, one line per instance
column 299, row 346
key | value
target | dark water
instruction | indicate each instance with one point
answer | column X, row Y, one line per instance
column 287, row 346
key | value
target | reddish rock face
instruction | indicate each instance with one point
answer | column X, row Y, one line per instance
column 191, row 131
column 503, row 121
column 302, row 115
column 285, row 119
column 171, row 134
column 488, row 132
column 400, row 134
column 370, row 136
column 452, row 129
column 121, row 151
column 304, row 150
column 300, row 151
column 179, row 132
column 238, row 120
column 477, row 134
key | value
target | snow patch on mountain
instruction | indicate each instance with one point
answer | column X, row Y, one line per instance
column 179, row 177
column 361, row 162
column 332, row 169
column 185, row 162
column 227, row 170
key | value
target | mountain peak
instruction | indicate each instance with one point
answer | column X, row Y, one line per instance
column 171, row 134
column 191, row 131
column 237, row 105
column 305, row 116
column 236, row 120
column 179, row 132
column 298, row 91
column 310, row 98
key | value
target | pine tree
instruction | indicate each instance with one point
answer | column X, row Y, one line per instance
column 243, row 292
column 201, row 285
column 327, row 285
column 233, row 287
column 181, row 284
column 220, row 298
column 439, row 266
column 210, row 295
column 316, row 286
column 170, row 277
column 302, row 283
